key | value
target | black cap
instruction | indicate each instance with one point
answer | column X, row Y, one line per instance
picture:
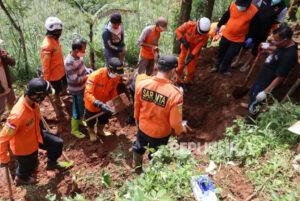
column 244, row 3
column 116, row 18
column 38, row 86
column 167, row 62
column 115, row 65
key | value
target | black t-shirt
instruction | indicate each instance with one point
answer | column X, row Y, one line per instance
column 279, row 63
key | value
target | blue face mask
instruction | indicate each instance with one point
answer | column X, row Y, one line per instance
column 276, row 1
column 111, row 75
column 241, row 8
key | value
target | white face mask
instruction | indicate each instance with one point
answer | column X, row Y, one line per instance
column 111, row 75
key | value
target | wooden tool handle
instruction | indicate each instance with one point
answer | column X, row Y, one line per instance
column 95, row 116
column 251, row 69
column 8, row 183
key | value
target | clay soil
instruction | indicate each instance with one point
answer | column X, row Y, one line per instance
column 209, row 108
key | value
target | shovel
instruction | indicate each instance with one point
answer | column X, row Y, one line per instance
column 117, row 104
column 5, row 171
column 241, row 91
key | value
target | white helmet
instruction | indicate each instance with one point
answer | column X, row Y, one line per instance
column 53, row 23
column 203, row 25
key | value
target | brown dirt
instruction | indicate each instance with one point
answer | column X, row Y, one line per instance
column 209, row 108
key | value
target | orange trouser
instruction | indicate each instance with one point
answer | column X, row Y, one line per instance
column 190, row 67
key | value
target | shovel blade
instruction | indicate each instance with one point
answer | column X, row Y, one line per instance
column 239, row 92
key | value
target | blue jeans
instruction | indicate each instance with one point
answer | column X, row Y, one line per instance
column 77, row 106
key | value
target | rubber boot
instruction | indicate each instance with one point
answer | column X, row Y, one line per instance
column 93, row 136
column 75, row 127
column 101, row 132
column 18, row 181
column 138, row 162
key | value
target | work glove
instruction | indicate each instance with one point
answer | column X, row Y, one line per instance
column 189, row 59
column 105, row 108
column 217, row 30
column 248, row 43
column 261, row 96
column 185, row 43
column 3, row 165
column 265, row 46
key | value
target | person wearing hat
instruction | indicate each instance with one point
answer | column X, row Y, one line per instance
column 113, row 39
column 192, row 35
column 53, row 61
column 76, row 78
column 24, row 134
column 241, row 20
column 157, row 109
column 101, row 86
column 149, row 45
column 270, row 14
column 7, row 94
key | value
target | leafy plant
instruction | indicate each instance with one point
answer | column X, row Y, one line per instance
column 166, row 178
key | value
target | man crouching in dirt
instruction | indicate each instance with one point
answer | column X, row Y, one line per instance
column 101, row 87
column 158, row 110
column 24, row 133
column 275, row 69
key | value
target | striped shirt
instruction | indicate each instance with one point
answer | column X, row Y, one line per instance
column 75, row 73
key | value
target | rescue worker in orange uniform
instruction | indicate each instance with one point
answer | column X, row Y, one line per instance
column 157, row 109
column 240, row 20
column 192, row 35
column 149, row 42
column 101, row 86
column 53, row 61
column 23, row 133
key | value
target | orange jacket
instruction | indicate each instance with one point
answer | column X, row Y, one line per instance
column 21, row 131
column 141, row 77
column 99, row 86
column 52, row 59
column 188, row 31
column 239, row 23
column 158, row 107
column 150, row 35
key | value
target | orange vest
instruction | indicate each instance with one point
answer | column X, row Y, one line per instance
column 52, row 59
column 238, row 24
column 158, row 107
column 151, row 39
column 21, row 131
column 188, row 31
column 99, row 86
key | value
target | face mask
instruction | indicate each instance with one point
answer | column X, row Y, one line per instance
column 80, row 54
column 278, row 43
column 276, row 1
column 111, row 75
column 241, row 8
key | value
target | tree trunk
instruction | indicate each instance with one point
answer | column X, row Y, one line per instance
column 293, row 9
column 209, row 8
column 22, row 39
column 184, row 16
column 92, row 53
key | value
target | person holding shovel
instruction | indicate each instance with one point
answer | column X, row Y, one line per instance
column 192, row 35
column 149, row 45
column 241, row 20
column 23, row 133
column 101, row 86
column 270, row 14
column 157, row 109
column 275, row 69
column 53, row 63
